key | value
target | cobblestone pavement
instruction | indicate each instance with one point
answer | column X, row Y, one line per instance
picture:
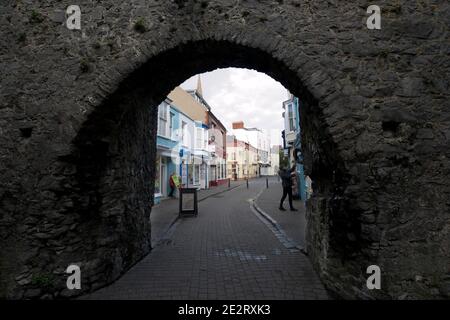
column 164, row 214
column 226, row 252
column 293, row 223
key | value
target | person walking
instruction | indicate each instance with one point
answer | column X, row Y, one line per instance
column 285, row 175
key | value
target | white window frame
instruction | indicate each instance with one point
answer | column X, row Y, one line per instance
column 291, row 116
column 184, row 134
column 171, row 120
column 164, row 110
column 196, row 174
column 198, row 138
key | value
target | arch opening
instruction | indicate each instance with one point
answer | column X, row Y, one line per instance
column 120, row 131
column 109, row 174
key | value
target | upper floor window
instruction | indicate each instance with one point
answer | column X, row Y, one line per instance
column 291, row 117
column 163, row 126
column 171, row 120
column 184, row 134
column 199, row 138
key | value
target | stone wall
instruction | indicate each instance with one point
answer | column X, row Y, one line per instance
column 77, row 131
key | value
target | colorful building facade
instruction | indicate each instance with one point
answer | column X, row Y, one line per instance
column 218, row 151
column 292, row 144
column 191, row 143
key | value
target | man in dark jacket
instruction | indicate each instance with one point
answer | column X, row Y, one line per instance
column 285, row 175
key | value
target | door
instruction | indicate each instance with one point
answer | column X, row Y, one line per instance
column 203, row 176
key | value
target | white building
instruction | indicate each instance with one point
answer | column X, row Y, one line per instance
column 274, row 160
column 258, row 138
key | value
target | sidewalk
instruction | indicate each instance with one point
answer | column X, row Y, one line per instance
column 292, row 223
column 164, row 214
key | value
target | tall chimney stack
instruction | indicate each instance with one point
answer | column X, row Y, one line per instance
column 238, row 125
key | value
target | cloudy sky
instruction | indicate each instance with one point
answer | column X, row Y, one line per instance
column 242, row 94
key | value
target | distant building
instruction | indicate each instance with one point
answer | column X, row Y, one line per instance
column 274, row 160
column 242, row 160
column 258, row 139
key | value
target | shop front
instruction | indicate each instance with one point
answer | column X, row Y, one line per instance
column 164, row 167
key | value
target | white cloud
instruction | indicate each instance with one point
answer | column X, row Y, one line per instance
column 242, row 94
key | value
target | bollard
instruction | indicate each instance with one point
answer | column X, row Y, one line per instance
column 229, row 183
column 267, row 183
column 247, row 183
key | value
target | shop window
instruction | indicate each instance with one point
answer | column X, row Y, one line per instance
column 196, row 174
column 158, row 176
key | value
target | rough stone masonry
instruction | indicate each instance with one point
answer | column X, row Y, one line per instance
column 78, row 119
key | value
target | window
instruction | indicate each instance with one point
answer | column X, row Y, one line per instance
column 196, row 174
column 291, row 118
column 162, row 120
column 171, row 132
column 199, row 138
column 191, row 173
column 184, row 134
column 158, row 176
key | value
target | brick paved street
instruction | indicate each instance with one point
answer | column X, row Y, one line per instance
column 293, row 223
column 165, row 213
column 227, row 252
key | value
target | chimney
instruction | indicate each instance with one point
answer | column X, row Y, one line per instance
column 238, row 125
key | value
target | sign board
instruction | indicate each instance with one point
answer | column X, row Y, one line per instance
column 188, row 201
column 176, row 180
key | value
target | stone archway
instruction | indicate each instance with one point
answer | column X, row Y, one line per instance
column 114, row 149
column 75, row 188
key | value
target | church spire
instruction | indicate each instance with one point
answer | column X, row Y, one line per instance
column 199, row 86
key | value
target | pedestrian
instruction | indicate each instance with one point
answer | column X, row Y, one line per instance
column 172, row 184
column 285, row 175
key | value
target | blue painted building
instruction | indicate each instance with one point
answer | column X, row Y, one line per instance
column 292, row 144
column 174, row 148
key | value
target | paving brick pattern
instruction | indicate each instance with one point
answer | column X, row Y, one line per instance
column 164, row 214
column 224, row 253
column 293, row 223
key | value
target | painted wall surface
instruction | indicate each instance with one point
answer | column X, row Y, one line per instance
column 169, row 147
